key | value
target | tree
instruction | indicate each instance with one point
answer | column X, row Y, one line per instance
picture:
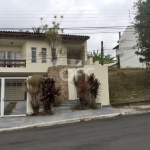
column 142, row 27
column 97, row 57
column 54, row 39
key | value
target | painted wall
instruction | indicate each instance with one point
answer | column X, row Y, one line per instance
column 39, row 66
column 71, row 88
column 10, row 48
column 127, row 49
column 101, row 73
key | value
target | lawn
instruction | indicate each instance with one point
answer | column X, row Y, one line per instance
column 133, row 86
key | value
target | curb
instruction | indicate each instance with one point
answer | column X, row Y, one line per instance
column 61, row 122
column 134, row 113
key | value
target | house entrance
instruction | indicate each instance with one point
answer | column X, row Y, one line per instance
column 13, row 96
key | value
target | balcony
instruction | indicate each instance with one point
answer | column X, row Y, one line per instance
column 74, row 62
column 13, row 63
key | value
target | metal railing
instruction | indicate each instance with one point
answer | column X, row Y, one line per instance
column 74, row 62
column 12, row 63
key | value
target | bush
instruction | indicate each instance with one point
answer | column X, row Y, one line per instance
column 87, row 89
column 49, row 94
column 34, row 89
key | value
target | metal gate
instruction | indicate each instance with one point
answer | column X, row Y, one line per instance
column 13, row 96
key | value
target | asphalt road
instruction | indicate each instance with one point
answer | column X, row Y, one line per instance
column 120, row 133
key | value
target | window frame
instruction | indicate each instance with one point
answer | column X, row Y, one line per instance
column 33, row 58
column 44, row 59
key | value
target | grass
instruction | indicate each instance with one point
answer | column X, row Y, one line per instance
column 9, row 108
column 133, row 87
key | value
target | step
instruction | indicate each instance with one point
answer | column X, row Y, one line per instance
column 68, row 104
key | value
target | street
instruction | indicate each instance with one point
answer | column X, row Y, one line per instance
column 120, row 133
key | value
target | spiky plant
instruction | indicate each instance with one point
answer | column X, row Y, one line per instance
column 94, row 87
column 33, row 87
column 87, row 88
column 49, row 94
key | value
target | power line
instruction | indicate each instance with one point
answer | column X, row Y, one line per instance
column 128, row 58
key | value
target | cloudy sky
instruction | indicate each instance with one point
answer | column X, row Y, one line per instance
column 99, row 19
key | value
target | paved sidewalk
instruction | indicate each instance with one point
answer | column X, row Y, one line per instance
column 63, row 115
column 60, row 117
column 131, row 110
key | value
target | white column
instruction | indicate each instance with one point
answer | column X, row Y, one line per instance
column 29, row 108
column 2, row 95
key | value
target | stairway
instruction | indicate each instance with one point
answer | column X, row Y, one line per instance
column 65, row 106
column 69, row 103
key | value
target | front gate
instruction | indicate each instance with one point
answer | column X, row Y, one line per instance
column 13, row 96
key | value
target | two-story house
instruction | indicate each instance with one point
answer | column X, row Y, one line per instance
column 23, row 54
column 20, row 53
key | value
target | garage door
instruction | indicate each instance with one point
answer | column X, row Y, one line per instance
column 14, row 97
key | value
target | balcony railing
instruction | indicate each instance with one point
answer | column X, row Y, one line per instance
column 12, row 63
column 74, row 62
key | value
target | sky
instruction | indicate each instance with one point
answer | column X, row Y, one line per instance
column 99, row 19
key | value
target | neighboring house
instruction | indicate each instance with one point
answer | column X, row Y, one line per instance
column 20, row 53
column 126, row 48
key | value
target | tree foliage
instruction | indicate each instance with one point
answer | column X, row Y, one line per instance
column 142, row 27
column 54, row 39
column 49, row 94
column 97, row 57
column 34, row 88
column 40, row 29
column 87, row 89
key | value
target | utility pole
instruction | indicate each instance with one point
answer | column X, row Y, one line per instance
column 102, row 53
column 118, row 58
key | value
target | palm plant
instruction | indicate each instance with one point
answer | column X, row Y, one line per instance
column 49, row 94
column 37, row 30
column 33, row 87
column 97, row 57
column 87, row 89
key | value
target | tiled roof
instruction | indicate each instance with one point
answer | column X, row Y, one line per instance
column 34, row 35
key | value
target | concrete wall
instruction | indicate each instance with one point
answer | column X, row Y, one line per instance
column 71, row 88
column 89, row 61
column 127, row 49
column 101, row 73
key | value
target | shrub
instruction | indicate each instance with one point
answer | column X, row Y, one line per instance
column 34, row 89
column 49, row 94
column 87, row 89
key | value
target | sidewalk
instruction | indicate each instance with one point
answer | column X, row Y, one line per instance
column 131, row 110
column 60, row 117
column 63, row 115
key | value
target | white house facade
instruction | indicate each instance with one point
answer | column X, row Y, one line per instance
column 126, row 49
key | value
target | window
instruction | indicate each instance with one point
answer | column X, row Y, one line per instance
column 33, row 55
column 44, row 60
column 2, row 57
